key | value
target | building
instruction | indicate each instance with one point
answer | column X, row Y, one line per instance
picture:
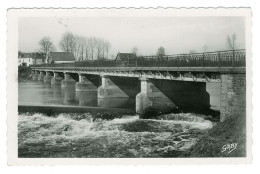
column 38, row 58
column 27, row 59
column 126, row 56
column 61, row 57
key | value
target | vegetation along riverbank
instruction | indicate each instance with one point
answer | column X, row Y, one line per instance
column 24, row 73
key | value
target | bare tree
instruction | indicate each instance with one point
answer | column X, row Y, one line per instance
column 100, row 48
column 107, row 47
column 68, row 42
column 232, row 42
column 46, row 45
column 160, row 51
column 92, row 45
column 80, row 46
column 87, row 49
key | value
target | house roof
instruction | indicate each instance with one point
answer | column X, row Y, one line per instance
column 62, row 56
column 38, row 56
column 32, row 55
column 26, row 55
column 126, row 56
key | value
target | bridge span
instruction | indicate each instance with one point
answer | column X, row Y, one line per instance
column 160, row 82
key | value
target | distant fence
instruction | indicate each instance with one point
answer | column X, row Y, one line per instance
column 230, row 58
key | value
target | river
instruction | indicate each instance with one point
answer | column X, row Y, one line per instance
column 37, row 93
column 78, row 135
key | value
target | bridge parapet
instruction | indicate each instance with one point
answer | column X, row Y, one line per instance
column 230, row 58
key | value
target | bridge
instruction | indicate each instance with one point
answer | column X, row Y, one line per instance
column 160, row 82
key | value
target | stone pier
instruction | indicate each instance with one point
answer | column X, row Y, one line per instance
column 109, row 90
column 35, row 75
column 47, row 78
column 233, row 96
column 67, row 81
column 41, row 76
column 151, row 97
column 56, row 79
column 85, row 85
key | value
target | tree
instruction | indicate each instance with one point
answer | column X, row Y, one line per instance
column 134, row 50
column 68, row 42
column 232, row 42
column 107, row 47
column 46, row 45
column 100, row 49
column 92, row 42
column 160, row 51
column 80, row 47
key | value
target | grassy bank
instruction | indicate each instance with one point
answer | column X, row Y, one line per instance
column 24, row 73
column 213, row 141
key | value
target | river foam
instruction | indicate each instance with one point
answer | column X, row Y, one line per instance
column 129, row 136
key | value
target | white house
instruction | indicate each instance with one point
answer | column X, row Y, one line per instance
column 25, row 59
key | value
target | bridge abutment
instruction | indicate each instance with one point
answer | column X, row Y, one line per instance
column 151, row 97
column 67, row 81
column 232, row 96
column 109, row 90
column 85, row 85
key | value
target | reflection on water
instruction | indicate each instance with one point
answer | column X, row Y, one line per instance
column 42, row 94
column 87, row 98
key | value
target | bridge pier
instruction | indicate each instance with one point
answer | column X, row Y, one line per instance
column 56, row 79
column 67, row 81
column 47, row 78
column 232, row 96
column 151, row 97
column 109, row 90
column 35, row 75
column 41, row 76
column 85, row 85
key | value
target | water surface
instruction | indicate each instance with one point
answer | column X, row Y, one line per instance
column 36, row 93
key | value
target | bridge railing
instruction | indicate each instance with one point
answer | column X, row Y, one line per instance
column 230, row 58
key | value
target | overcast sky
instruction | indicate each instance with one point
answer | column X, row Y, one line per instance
column 175, row 34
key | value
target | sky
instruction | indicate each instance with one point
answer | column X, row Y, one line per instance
column 176, row 34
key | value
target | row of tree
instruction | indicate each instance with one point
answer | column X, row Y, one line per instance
column 85, row 48
column 82, row 47
column 231, row 44
column 93, row 48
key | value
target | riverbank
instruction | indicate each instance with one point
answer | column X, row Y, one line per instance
column 24, row 73
column 214, row 142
